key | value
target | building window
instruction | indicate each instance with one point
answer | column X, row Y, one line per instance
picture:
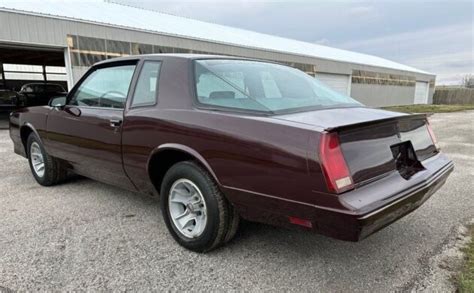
column 307, row 68
column 85, row 51
column 162, row 49
column 117, row 49
column 369, row 77
column 181, row 50
column 138, row 49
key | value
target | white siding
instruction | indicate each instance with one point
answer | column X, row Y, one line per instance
column 341, row 83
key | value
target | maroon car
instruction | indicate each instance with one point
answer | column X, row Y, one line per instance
column 222, row 138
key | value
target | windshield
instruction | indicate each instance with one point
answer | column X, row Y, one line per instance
column 263, row 87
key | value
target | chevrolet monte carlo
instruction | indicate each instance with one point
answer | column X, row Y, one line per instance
column 221, row 139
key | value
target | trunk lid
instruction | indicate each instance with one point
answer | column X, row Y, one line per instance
column 375, row 142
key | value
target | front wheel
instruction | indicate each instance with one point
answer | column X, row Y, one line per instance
column 46, row 169
column 196, row 212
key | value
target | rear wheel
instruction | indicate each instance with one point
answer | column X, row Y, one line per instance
column 46, row 169
column 196, row 212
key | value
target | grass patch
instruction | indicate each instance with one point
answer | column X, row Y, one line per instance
column 429, row 108
column 465, row 279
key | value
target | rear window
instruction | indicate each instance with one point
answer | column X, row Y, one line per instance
column 263, row 87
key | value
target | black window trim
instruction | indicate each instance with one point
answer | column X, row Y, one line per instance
column 135, row 84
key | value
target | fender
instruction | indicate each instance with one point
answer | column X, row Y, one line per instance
column 33, row 129
column 179, row 147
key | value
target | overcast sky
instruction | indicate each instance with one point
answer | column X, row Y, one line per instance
column 435, row 36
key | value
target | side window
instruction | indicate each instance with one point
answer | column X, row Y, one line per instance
column 105, row 87
column 147, row 85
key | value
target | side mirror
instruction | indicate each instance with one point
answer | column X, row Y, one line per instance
column 57, row 102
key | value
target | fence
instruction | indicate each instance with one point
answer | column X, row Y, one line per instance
column 452, row 96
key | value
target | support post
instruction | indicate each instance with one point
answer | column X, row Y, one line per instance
column 44, row 74
column 2, row 71
column 68, row 65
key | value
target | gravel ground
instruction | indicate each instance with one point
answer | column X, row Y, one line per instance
column 85, row 235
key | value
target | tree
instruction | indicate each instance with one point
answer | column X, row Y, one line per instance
column 468, row 81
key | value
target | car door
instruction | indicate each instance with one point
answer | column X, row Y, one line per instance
column 87, row 131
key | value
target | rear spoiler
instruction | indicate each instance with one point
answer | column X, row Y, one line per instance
column 378, row 121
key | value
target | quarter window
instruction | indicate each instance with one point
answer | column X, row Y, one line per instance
column 105, row 87
column 147, row 85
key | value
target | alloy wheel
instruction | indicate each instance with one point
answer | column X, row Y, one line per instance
column 37, row 159
column 187, row 208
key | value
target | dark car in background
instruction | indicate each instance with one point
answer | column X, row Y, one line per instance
column 222, row 138
column 8, row 103
column 8, row 100
column 38, row 94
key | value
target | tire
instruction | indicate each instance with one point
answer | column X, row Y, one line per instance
column 234, row 223
column 52, row 172
column 199, row 235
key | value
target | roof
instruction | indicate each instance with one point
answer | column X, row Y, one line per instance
column 118, row 15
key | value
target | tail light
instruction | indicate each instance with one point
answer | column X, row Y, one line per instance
column 432, row 135
column 334, row 166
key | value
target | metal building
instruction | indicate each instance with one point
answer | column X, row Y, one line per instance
column 75, row 35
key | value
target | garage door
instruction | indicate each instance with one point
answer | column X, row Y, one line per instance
column 421, row 92
column 338, row 82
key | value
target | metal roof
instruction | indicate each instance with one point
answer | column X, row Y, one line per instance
column 118, row 15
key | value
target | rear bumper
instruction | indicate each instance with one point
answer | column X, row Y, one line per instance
column 363, row 211
column 361, row 223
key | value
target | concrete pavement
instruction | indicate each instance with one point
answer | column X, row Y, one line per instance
column 85, row 235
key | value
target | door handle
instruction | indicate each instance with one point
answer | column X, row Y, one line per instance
column 115, row 122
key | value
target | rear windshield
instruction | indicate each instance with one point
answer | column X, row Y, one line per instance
column 263, row 87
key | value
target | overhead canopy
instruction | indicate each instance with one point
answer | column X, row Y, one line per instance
column 106, row 13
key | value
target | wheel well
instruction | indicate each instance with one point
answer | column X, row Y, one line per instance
column 25, row 131
column 161, row 162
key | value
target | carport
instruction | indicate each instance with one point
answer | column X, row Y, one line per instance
column 21, row 64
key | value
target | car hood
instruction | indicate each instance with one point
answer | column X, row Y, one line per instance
column 332, row 118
